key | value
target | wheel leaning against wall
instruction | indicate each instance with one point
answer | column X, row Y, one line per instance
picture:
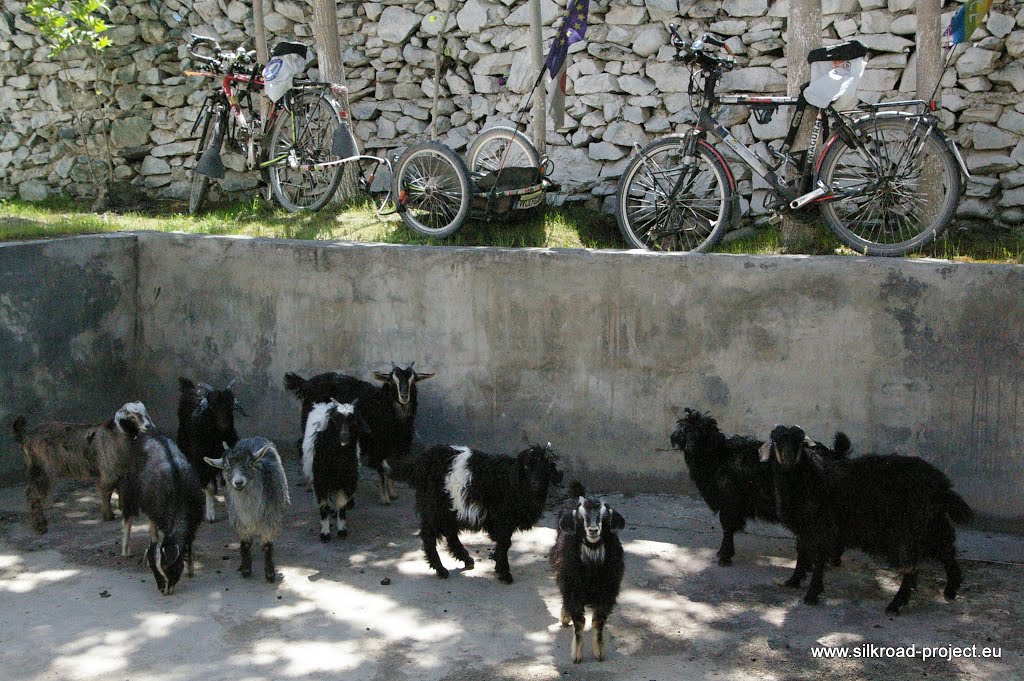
column 431, row 183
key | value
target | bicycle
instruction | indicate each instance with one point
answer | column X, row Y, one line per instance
column 886, row 182
column 300, row 149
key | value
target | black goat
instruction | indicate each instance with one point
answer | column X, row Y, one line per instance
column 588, row 562
column 729, row 476
column 206, row 422
column 330, row 460
column 458, row 488
column 899, row 508
column 389, row 410
column 161, row 484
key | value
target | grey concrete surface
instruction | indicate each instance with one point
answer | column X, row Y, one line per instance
column 67, row 332
column 596, row 352
column 74, row 610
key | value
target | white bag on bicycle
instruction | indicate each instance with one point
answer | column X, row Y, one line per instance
column 835, row 72
column 289, row 60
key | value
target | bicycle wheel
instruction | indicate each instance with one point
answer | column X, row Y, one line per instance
column 488, row 151
column 653, row 214
column 302, row 138
column 907, row 191
column 201, row 183
column 432, row 184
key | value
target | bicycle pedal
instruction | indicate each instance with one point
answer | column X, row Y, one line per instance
column 775, row 219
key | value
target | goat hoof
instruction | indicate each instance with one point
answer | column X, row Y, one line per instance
column 892, row 609
column 792, row 583
column 393, row 495
column 342, row 534
column 351, row 504
column 810, row 599
column 39, row 526
column 470, row 564
column 442, row 573
column 271, row 576
column 505, row 578
column 108, row 516
column 246, row 573
column 949, row 594
column 724, row 562
column 325, row 537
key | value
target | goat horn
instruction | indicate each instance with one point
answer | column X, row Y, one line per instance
column 230, row 383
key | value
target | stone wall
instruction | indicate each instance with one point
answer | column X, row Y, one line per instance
column 624, row 88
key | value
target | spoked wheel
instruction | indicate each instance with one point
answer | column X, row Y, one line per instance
column 668, row 204
column 906, row 187
column 302, row 139
column 201, row 183
column 432, row 185
column 501, row 147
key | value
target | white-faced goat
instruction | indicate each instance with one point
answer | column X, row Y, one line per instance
column 330, row 460
column 206, row 422
column 899, row 508
column 388, row 409
column 458, row 488
column 99, row 452
column 256, row 492
column 588, row 562
column 161, row 484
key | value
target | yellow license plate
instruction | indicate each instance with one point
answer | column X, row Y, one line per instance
column 530, row 200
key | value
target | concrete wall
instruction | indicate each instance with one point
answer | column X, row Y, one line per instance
column 597, row 352
column 67, row 332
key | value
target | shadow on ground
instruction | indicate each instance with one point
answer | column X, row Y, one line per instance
column 75, row 609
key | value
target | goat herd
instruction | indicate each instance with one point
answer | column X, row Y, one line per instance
column 899, row 508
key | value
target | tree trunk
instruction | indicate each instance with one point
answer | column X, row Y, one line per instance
column 929, row 48
column 803, row 34
column 540, row 94
column 260, row 29
column 328, row 50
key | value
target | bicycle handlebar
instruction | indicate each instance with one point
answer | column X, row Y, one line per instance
column 696, row 51
column 221, row 60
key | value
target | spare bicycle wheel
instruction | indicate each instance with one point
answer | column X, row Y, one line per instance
column 301, row 140
column 501, row 147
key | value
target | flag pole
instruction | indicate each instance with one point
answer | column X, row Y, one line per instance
column 540, row 94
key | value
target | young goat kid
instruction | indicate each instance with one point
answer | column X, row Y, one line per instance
column 330, row 460
column 256, row 492
column 79, row 451
column 206, row 422
column 588, row 562
column 729, row 476
column 458, row 488
column 161, row 484
column 898, row 508
column 389, row 410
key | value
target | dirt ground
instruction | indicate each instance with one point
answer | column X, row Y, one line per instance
column 73, row 608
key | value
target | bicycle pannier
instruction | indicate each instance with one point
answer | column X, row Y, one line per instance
column 836, row 71
column 288, row 60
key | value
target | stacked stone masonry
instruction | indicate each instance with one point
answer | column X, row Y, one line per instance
column 624, row 88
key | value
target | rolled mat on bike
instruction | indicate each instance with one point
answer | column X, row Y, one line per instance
column 209, row 163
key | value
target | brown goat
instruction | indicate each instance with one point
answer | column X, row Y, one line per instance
column 79, row 451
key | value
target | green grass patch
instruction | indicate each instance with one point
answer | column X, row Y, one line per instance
column 567, row 227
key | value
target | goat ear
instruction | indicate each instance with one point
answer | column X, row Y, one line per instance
column 567, row 521
column 382, row 377
column 765, row 452
column 423, row 377
column 262, row 452
column 216, row 463
column 615, row 521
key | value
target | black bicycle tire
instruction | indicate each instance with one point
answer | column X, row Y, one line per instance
column 282, row 127
column 200, row 185
column 402, row 194
column 951, row 172
column 503, row 132
column 704, row 151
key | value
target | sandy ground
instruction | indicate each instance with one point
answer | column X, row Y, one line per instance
column 73, row 608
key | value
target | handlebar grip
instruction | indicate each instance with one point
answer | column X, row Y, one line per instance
column 713, row 39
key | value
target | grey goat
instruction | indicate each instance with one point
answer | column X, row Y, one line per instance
column 256, row 493
column 92, row 452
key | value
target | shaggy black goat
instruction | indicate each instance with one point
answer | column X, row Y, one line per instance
column 161, row 484
column 330, row 460
column 389, row 410
column 458, row 488
column 588, row 562
column 206, row 422
column 729, row 476
column 899, row 508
